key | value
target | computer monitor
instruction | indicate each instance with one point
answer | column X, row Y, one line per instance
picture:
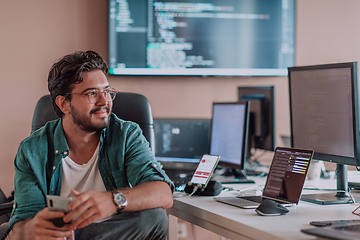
column 179, row 145
column 201, row 37
column 262, row 123
column 324, row 114
column 229, row 129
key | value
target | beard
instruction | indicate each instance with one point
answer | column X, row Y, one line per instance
column 85, row 123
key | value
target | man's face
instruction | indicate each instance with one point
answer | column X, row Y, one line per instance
column 90, row 117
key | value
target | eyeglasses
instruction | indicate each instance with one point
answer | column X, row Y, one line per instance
column 95, row 94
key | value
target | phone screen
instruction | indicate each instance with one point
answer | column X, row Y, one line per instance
column 205, row 169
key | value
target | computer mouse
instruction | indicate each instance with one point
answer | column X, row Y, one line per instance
column 271, row 208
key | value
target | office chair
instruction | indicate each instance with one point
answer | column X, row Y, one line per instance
column 6, row 206
column 5, row 203
column 127, row 106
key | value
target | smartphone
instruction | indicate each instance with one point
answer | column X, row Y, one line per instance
column 57, row 203
column 205, row 170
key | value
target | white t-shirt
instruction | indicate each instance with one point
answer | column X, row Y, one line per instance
column 82, row 178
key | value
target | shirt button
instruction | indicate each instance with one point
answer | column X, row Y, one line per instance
column 56, row 151
column 54, row 167
column 65, row 152
column 155, row 165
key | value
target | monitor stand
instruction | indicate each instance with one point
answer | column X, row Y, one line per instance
column 234, row 176
column 340, row 197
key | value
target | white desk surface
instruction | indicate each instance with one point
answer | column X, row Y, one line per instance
column 236, row 223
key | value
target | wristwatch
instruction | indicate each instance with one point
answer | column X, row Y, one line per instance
column 120, row 200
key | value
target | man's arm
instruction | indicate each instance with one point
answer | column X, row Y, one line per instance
column 148, row 195
column 94, row 206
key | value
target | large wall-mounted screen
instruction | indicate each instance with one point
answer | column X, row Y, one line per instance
column 205, row 38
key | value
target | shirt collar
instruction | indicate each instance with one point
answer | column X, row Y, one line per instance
column 60, row 144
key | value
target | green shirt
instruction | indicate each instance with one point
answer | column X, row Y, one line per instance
column 125, row 160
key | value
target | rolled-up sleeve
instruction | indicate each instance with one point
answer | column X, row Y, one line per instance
column 140, row 163
column 29, row 198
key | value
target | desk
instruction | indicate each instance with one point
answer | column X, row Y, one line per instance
column 236, row 223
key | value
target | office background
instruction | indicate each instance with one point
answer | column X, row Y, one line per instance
column 33, row 34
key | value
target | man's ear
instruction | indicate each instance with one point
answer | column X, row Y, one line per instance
column 63, row 104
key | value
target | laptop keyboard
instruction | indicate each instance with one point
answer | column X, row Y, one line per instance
column 354, row 228
column 257, row 199
column 333, row 222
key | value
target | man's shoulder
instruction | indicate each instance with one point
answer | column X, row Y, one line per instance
column 116, row 122
column 42, row 134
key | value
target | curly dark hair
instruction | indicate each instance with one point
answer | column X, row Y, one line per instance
column 69, row 70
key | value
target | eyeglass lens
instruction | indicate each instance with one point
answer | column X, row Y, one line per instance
column 95, row 95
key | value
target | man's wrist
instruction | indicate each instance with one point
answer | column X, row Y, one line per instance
column 19, row 230
column 119, row 200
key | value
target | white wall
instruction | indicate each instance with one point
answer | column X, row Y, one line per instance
column 35, row 33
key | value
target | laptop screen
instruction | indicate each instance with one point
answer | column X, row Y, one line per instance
column 287, row 174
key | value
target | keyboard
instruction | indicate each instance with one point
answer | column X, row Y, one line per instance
column 257, row 199
column 333, row 222
column 236, row 180
column 353, row 228
column 354, row 185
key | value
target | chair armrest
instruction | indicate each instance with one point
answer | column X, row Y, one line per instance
column 6, row 208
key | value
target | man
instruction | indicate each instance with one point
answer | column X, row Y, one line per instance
column 102, row 162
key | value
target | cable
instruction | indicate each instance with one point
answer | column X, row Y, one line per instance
column 195, row 189
column 230, row 189
column 352, row 198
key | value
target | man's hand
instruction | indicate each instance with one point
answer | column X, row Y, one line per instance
column 40, row 227
column 92, row 206
column 89, row 207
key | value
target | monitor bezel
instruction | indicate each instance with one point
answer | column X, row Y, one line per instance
column 354, row 161
column 241, row 164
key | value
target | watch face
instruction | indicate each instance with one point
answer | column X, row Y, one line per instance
column 120, row 199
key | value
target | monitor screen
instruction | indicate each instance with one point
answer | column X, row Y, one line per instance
column 229, row 129
column 324, row 111
column 180, row 140
column 262, row 122
column 324, row 117
column 201, row 37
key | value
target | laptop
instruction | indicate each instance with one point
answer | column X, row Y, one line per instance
column 284, row 182
column 345, row 231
